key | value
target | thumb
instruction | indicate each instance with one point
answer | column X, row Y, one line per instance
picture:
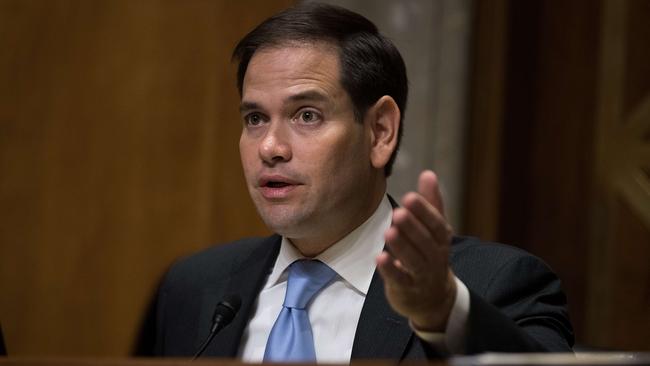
column 429, row 188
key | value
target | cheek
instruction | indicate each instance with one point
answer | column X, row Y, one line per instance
column 339, row 154
column 352, row 147
column 247, row 154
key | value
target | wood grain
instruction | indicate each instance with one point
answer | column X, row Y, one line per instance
column 119, row 129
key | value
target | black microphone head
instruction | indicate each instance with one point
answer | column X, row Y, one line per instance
column 226, row 310
column 224, row 313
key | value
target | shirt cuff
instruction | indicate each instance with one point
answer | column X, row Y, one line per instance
column 453, row 339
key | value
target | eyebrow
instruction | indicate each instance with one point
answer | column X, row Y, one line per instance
column 247, row 106
column 310, row 95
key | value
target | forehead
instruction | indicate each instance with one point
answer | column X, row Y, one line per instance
column 293, row 67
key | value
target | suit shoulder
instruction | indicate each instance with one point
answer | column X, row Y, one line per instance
column 464, row 247
column 477, row 262
column 222, row 252
column 214, row 262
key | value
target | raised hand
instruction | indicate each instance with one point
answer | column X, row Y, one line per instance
column 418, row 281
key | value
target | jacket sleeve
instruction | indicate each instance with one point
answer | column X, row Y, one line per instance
column 521, row 308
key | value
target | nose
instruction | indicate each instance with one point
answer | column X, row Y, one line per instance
column 275, row 146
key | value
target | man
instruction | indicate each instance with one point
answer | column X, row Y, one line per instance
column 322, row 100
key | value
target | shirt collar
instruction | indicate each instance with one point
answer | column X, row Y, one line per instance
column 352, row 258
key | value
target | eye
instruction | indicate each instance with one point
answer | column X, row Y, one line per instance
column 309, row 117
column 253, row 119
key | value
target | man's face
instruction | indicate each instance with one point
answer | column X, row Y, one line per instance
column 305, row 157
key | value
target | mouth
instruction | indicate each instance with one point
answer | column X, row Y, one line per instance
column 276, row 181
column 274, row 184
column 276, row 187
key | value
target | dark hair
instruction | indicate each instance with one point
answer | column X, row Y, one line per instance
column 371, row 66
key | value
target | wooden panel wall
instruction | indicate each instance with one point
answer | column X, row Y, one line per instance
column 487, row 102
column 119, row 127
column 566, row 117
column 619, row 290
column 548, row 137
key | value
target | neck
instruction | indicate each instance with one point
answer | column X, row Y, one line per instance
column 314, row 245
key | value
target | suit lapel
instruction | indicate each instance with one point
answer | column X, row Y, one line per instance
column 246, row 280
column 381, row 332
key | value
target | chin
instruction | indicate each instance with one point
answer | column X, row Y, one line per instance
column 288, row 229
column 281, row 220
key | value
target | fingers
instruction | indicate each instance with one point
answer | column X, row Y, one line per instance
column 391, row 271
column 410, row 258
column 419, row 235
column 418, row 246
column 409, row 226
column 425, row 214
column 429, row 188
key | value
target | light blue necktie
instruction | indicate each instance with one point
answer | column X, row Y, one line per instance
column 291, row 339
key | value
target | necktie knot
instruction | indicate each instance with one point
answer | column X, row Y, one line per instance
column 306, row 279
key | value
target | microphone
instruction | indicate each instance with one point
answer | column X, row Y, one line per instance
column 223, row 314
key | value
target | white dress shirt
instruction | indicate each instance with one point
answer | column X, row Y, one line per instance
column 334, row 312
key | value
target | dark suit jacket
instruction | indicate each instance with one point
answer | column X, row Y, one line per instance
column 3, row 349
column 516, row 303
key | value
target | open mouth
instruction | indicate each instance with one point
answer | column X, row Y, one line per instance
column 273, row 184
column 277, row 187
column 276, row 181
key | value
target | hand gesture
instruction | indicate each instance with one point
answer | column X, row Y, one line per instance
column 418, row 281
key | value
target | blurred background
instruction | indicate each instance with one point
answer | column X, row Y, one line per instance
column 119, row 129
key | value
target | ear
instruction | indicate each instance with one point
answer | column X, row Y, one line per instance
column 383, row 120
